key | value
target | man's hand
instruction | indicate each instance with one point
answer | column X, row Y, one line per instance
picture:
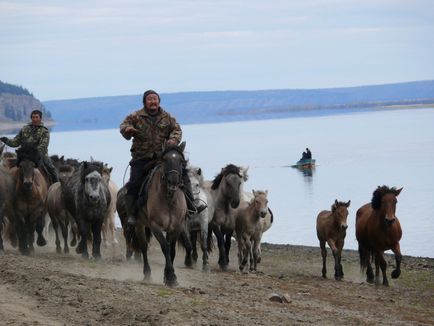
column 4, row 139
column 130, row 131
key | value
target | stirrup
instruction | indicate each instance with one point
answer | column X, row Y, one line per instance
column 201, row 208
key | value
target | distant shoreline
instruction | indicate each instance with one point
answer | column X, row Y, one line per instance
column 10, row 127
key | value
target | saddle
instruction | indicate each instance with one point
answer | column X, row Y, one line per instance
column 150, row 169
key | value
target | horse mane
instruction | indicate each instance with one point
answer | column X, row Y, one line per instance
column 228, row 169
column 379, row 193
column 88, row 167
column 66, row 168
column 28, row 152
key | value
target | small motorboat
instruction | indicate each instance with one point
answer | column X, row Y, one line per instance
column 306, row 163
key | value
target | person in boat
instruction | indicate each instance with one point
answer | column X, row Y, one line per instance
column 308, row 154
column 150, row 127
column 37, row 135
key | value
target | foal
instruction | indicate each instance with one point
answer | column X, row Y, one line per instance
column 249, row 229
column 331, row 227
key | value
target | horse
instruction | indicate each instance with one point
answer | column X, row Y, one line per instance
column 87, row 198
column 57, row 212
column 378, row 229
column 331, row 228
column 29, row 200
column 6, row 210
column 248, row 228
column 109, row 227
column 198, row 223
column 265, row 223
column 164, row 211
column 226, row 191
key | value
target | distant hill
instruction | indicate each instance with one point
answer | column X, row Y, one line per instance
column 16, row 104
column 223, row 106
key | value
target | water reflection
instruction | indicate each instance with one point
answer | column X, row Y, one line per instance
column 308, row 172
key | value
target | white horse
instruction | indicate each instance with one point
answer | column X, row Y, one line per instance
column 198, row 223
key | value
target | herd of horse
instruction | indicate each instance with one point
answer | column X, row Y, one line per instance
column 84, row 202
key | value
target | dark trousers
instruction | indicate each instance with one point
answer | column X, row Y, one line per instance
column 138, row 171
column 46, row 160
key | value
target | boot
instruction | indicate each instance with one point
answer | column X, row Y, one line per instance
column 131, row 208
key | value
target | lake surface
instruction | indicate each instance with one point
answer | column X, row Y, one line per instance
column 355, row 153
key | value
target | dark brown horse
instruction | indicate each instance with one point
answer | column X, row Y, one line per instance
column 331, row 228
column 377, row 230
column 165, row 210
column 29, row 200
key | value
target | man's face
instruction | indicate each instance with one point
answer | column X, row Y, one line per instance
column 152, row 103
column 36, row 119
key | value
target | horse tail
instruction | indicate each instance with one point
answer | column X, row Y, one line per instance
column 365, row 256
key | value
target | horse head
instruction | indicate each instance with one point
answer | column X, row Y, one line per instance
column 173, row 163
column 340, row 212
column 28, row 158
column 261, row 202
column 230, row 180
column 384, row 201
column 91, row 178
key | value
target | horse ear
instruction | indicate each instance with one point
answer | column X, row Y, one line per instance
column 199, row 171
column 253, row 192
column 182, row 146
column 62, row 158
column 244, row 173
column 398, row 191
column 336, row 202
column 348, row 203
column 266, row 192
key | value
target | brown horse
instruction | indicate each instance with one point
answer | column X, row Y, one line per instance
column 29, row 200
column 331, row 227
column 248, row 228
column 164, row 211
column 6, row 211
column 377, row 230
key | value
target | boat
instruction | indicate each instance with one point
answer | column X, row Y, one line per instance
column 307, row 163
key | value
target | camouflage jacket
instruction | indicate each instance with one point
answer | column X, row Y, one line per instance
column 152, row 132
column 37, row 136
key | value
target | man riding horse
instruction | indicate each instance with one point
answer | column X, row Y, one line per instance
column 150, row 127
column 36, row 135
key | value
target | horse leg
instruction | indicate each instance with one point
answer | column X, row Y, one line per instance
column 40, row 224
column 255, row 252
column 82, row 245
column 55, row 225
column 383, row 266
column 193, row 239
column 228, row 242
column 21, row 232
column 324, row 258
column 64, row 228
column 74, row 232
column 185, row 240
column 2, row 251
column 143, row 245
column 223, row 262
column 169, row 271
column 398, row 257
column 96, row 244
column 247, row 248
column 204, row 247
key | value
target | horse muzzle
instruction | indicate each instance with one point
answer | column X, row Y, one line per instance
column 389, row 221
column 262, row 214
column 344, row 227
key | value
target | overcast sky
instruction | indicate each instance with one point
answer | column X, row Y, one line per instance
column 88, row 48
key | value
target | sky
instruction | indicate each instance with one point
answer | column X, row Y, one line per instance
column 90, row 48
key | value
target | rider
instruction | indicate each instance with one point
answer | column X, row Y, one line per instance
column 37, row 135
column 151, row 127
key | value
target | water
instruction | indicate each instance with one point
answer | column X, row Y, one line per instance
column 355, row 153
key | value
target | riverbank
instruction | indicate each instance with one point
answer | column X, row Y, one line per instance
column 288, row 289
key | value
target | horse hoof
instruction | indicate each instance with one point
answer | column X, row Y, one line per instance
column 41, row 242
column 66, row 250
column 188, row 262
column 206, row 268
column 171, row 282
column 2, row 252
column 73, row 243
column 224, row 268
column 58, row 250
column 396, row 273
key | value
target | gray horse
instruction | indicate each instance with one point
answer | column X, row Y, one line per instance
column 87, row 198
